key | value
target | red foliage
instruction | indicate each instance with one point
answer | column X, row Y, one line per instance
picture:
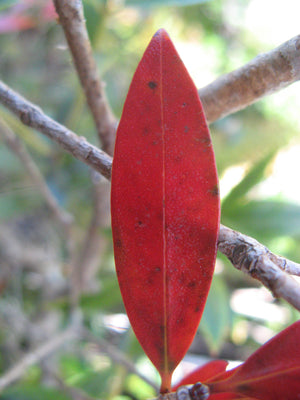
column 165, row 206
column 271, row 373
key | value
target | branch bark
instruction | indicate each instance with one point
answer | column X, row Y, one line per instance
column 31, row 115
column 117, row 356
column 248, row 255
column 34, row 357
column 17, row 147
column 265, row 74
column 72, row 20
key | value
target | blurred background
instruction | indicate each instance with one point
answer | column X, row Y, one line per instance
column 258, row 159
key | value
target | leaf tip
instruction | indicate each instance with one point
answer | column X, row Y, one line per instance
column 162, row 33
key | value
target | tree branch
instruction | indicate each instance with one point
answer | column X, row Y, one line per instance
column 34, row 357
column 17, row 147
column 116, row 356
column 72, row 20
column 265, row 74
column 248, row 255
column 33, row 116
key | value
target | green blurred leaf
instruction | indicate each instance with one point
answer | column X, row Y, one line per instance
column 7, row 3
column 106, row 299
column 255, row 175
column 94, row 15
column 265, row 219
column 33, row 392
column 155, row 3
column 216, row 319
column 137, row 387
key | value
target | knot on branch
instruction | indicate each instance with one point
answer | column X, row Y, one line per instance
column 245, row 257
column 25, row 116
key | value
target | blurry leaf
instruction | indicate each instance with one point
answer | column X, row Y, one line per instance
column 39, row 144
column 155, row 3
column 7, row 3
column 94, row 382
column 137, row 387
column 252, row 178
column 262, row 219
column 216, row 319
column 106, row 299
column 93, row 12
column 33, row 392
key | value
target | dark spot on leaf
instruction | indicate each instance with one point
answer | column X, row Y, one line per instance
column 186, row 129
column 157, row 269
column 192, row 284
column 150, row 281
column 242, row 388
column 197, row 309
column 118, row 243
column 215, row 191
column 140, row 223
column 184, row 104
column 152, row 85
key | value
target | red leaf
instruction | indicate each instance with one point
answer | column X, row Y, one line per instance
column 271, row 373
column 165, row 206
column 205, row 373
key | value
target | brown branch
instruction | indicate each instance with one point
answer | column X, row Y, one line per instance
column 34, row 357
column 72, row 20
column 248, row 255
column 17, row 147
column 102, row 162
column 265, row 74
column 32, row 116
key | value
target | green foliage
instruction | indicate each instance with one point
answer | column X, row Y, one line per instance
column 216, row 320
column 37, row 64
column 156, row 3
column 33, row 392
column 6, row 4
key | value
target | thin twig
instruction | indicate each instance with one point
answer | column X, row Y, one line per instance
column 72, row 20
column 34, row 357
column 33, row 116
column 265, row 74
column 18, row 148
column 70, row 391
column 248, row 255
column 117, row 356
column 94, row 243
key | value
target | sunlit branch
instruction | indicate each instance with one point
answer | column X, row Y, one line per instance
column 72, row 20
column 265, row 74
column 18, row 148
column 248, row 255
column 31, row 115
column 80, row 148
column 34, row 357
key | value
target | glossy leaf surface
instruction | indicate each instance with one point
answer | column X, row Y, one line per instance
column 165, row 206
column 271, row 373
column 205, row 373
